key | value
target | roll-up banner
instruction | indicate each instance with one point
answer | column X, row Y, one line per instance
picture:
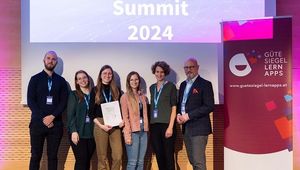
column 258, row 94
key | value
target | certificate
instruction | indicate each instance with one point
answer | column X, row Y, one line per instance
column 111, row 113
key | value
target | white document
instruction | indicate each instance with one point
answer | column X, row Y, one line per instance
column 111, row 113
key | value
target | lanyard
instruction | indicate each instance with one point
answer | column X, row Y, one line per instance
column 49, row 84
column 87, row 100
column 156, row 96
column 105, row 97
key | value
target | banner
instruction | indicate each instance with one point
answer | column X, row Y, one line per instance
column 257, row 89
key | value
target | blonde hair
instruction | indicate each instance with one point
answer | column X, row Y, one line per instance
column 131, row 97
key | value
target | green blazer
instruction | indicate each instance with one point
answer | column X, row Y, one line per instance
column 76, row 115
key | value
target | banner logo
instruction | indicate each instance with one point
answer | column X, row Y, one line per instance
column 239, row 65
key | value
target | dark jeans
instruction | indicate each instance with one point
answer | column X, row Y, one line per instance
column 83, row 153
column 162, row 146
column 38, row 135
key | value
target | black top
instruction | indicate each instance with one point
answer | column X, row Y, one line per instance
column 37, row 97
column 95, row 109
column 141, row 109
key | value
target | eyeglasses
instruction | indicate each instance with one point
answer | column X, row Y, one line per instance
column 189, row 67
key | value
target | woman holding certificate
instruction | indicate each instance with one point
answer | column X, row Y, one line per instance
column 106, row 92
column 134, row 111
column 79, row 125
column 163, row 114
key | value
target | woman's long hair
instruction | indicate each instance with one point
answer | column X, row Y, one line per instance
column 131, row 97
column 79, row 93
column 113, row 86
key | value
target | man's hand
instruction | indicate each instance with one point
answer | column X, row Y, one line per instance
column 185, row 117
column 50, row 125
column 179, row 119
column 47, row 120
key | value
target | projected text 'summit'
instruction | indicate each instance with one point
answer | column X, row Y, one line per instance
column 136, row 20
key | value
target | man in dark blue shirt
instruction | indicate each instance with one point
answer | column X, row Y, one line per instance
column 47, row 98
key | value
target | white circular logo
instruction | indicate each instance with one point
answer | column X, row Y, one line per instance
column 239, row 65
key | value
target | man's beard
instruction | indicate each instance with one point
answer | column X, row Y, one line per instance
column 50, row 68
column 191, row 75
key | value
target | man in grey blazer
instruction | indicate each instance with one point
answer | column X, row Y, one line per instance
column 195, row 103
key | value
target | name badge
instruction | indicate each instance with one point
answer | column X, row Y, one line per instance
column 49, row 100
column 155, row 113
column 87, row 119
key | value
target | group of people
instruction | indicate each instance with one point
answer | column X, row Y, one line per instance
column 48, row 96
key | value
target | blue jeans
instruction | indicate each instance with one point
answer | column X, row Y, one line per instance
column 137, row 150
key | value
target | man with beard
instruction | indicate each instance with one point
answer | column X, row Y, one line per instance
column 47, row 98
column 196, row 102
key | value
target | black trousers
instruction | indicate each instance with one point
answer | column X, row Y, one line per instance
column 162, row 146
column 38, row 135
column 83, row 153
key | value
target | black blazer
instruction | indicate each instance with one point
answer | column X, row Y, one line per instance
column 200, row 103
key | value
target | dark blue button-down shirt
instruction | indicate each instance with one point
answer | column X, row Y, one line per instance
column 37, row 93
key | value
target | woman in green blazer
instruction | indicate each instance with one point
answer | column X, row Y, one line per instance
column 80, row 127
